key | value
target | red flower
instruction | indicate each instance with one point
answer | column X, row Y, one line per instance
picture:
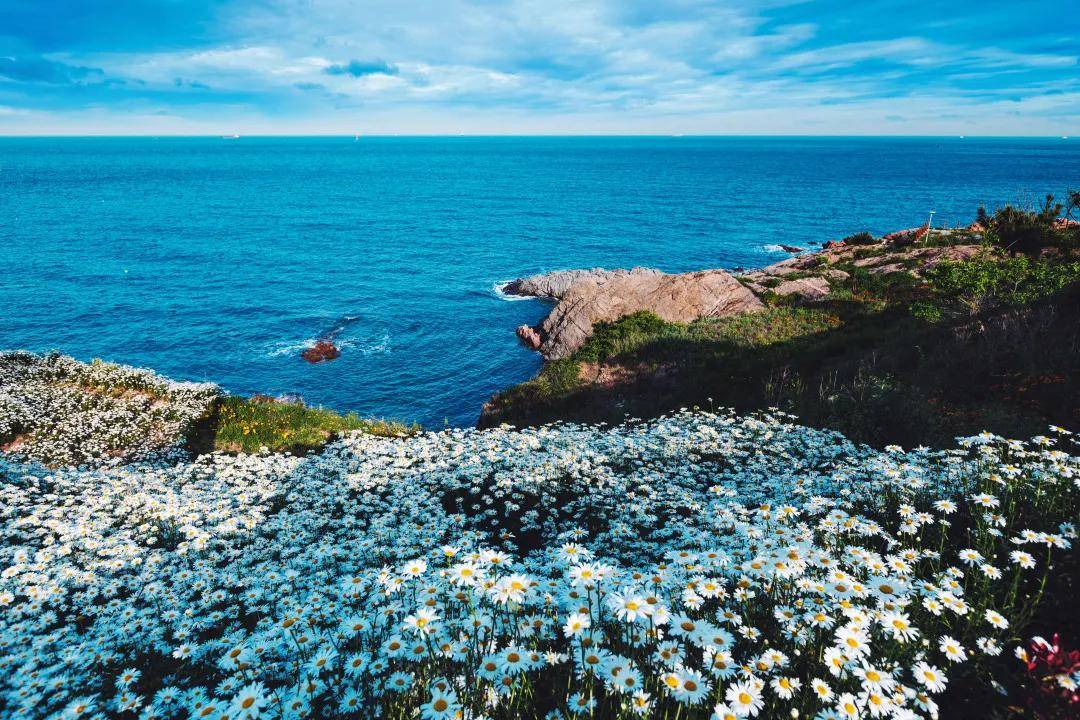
column 1047, row 661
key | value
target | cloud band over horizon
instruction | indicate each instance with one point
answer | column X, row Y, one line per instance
column 526, row 66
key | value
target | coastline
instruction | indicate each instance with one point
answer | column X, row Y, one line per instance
column 659, row 297
column 130, row 482
column 868, row 336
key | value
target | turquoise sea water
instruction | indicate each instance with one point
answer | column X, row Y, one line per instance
column 212, row 259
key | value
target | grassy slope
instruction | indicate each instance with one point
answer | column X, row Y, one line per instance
column 239, row 424
column 60, row 411
column 988, row 343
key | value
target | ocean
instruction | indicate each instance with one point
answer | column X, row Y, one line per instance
column 220, row 259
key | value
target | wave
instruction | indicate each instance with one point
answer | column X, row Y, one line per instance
column 380, row 346
column 772, row 248
column 339, row 327
column 365, row 345
column 289, row 347
column 497, row 291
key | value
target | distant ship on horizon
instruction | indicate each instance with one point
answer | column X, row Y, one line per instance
column 230, row 137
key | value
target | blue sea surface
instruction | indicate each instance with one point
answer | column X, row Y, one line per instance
column 215, row 259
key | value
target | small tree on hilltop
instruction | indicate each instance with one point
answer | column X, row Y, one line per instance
column 1071, row 231
column 1022, row 231
column 1074, row 202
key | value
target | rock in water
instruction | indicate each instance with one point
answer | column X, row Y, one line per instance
column 529, row 337
column 606, row 296
column 321, row 351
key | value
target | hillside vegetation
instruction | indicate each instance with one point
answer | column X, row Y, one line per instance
column 58, row 411
column 251, row 424
column 700, row 566
column 910, row 344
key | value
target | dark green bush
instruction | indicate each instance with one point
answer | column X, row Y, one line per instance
column 1017, row 230
column 861, row 238
column 612, row 338
column 871, row 405
column 892, row 285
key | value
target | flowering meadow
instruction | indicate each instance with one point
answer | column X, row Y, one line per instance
column 700, row 565
column 59, row 411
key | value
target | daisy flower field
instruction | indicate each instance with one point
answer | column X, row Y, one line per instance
column 699, row 565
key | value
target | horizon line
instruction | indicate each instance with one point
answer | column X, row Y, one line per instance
column 523, row 135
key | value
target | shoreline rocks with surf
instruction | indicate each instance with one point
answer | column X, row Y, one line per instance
column 553, row 285
column 325, row 348
column 321, row 351
column 586, row 297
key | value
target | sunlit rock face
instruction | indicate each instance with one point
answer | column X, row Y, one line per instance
column 586, row 297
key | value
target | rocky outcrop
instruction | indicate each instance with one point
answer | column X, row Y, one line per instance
column 321, row 351
column 529, row 337
column 586, row 297
column 553, row 285
column 809, row 289
column 877, row 260
column 685, row 369
column 600, row 295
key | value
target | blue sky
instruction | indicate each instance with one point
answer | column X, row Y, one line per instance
column 539, row 66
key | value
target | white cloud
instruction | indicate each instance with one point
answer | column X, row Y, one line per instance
column 689, row 65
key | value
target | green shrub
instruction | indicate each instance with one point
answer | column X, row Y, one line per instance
column 891, row 286
column 560, row 376
column 927, row 311
column 860, row 238
column 1022, row 231
column 1011, row 282
column 870, row 405
column 624, row 335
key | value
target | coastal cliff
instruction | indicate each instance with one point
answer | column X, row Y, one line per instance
column 904, row 338
column 588, row 297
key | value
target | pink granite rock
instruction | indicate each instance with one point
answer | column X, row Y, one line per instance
column 594, row 298
column 529, row 337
